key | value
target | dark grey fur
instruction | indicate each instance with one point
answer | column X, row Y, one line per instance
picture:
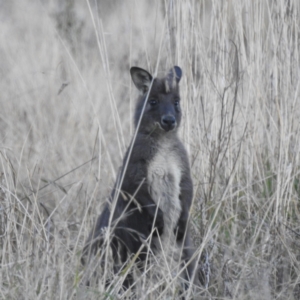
column 157, row 187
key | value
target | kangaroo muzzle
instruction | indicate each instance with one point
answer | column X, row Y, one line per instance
column 168, row 122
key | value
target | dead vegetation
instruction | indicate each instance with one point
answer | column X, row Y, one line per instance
column 64, row 127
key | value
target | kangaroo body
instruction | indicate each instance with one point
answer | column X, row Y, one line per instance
column 154, row 190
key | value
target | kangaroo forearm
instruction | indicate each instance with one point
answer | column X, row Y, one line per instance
column 186, row 201
column 141, row 195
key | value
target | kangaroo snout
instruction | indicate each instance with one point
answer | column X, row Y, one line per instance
column 168, row 122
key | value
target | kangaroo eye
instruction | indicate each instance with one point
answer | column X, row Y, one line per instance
column 153, row 102
column 176, row 102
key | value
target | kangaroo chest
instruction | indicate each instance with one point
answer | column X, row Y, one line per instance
column 164, row 176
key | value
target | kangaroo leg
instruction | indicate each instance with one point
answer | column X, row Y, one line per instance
column 190, row 273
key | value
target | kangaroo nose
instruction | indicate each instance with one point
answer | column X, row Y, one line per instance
column 168, row 122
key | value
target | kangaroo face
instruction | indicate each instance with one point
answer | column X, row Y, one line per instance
column 162, row 111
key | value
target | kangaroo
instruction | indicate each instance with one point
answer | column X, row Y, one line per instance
column 154, row 189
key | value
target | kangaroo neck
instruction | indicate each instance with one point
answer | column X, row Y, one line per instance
column 158, row 134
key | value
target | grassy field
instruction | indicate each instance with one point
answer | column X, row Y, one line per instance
column 66, row 106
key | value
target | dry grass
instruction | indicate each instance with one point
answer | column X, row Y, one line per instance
column 67, row 97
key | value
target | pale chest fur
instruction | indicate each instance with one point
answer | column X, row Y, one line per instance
column 164, row 176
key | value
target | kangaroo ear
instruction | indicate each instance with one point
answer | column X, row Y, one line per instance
column 175, row 71
column 141, row 78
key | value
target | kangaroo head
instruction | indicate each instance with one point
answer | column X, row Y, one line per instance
column 162, row 111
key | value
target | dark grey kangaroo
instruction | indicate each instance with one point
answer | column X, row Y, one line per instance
column 154, row 189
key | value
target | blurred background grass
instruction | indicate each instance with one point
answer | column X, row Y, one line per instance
column 67, row 97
